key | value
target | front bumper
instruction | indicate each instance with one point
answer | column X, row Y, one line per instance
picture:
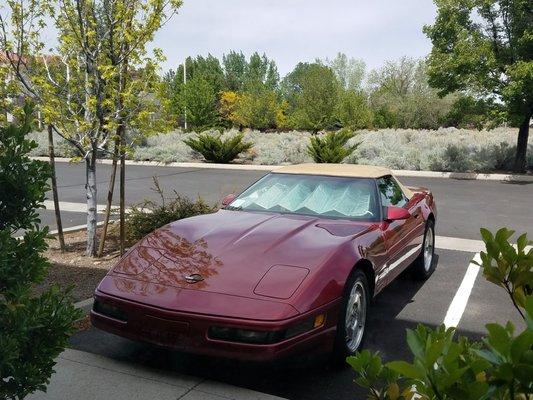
column 188, row 332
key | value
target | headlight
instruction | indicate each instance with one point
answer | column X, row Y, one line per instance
column 264, row 337
column 244, row 335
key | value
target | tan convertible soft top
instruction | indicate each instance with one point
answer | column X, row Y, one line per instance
column 350, row 170
column 353, row 170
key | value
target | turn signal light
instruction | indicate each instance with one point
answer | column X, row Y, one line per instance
column 319, row 320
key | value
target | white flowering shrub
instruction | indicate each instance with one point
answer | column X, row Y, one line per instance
column 445, row 149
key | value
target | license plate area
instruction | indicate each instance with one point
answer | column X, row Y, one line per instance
column 163, row 331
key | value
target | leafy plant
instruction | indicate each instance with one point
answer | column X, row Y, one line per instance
column 215, row 148
column 508, row 266
column 331, row 147
column 33, row 329
column 498, row 367
column 149, row 216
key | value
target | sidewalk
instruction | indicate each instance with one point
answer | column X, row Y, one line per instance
column 85, row 376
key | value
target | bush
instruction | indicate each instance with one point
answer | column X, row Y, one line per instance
column 33, row 329
column 217, row 149
column 331, row 147
column 149, row 216
column 257, row 109
column 353, row 111
column 498, row 367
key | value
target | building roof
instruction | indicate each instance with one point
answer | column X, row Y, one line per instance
column 351, row 170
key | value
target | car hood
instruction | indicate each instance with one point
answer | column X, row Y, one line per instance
column 247, row 254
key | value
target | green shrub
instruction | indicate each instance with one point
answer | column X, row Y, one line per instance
column 331, row 147
column 498, row 367
column 33, row 329
column 216, row 149
column 149, row 216
column 353, row 111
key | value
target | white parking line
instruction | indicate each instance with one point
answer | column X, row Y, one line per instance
column 460, row 300
column 458, row 244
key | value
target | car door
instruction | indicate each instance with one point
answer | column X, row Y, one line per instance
column 401, row 236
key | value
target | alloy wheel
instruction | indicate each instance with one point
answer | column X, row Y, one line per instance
column 355, row 316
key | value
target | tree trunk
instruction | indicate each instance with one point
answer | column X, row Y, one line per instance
column 109, row 198
column 521, row 146
column 122, row 191
column 57, row 211
column 90, row 188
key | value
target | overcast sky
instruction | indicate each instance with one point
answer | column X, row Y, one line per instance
column 299, row 30
column 290, row 31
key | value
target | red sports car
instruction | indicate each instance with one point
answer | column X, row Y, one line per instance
column 289, row 265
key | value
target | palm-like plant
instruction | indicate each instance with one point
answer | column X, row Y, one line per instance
column 216, row 149
column 331, row 147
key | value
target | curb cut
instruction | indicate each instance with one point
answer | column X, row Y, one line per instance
column 267, row 168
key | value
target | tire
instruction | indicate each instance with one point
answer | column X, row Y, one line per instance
column 355, row 292
column 424, row 265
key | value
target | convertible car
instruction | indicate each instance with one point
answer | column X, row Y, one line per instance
column 289, row 265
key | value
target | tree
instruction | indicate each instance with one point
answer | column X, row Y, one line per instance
column 235, row 66
column 469, row 112
column 353, row 111
column 260, row 72
column 199, row 98
column 205, row 69
column 257, row 109
column 312, row 92
column 486, row 47
column 350, row 72
column 401, row 97
column 34, row 329
column 95, row 83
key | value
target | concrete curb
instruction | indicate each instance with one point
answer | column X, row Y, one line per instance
column 85, row 305
column 266, row 168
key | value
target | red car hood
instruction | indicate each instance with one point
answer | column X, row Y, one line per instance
column 237, row 253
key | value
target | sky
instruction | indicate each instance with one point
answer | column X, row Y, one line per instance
column 290, row 31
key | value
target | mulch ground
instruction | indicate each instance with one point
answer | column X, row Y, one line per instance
column 73, row 269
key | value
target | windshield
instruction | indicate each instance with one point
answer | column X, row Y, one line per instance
column 323, row 196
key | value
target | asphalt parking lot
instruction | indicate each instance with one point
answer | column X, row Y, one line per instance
column 463, row 207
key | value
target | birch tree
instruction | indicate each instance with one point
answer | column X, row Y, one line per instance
column 97, row 82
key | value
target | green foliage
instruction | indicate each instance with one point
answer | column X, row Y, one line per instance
column 260, row 72
column 312, row 92
column 469, row 112
column 353, row 111
column 149, row 216
column 444, row 367
column 235, row 66
column 508, row 266
column 199, row 98
column 33, row 330
column 331, row 147
column 484, row 48
column 217, row 149
column 400, row 96
column 257, row 109
column 350, row 72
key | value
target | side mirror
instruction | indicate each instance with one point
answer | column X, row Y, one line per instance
column 228, row 199
column 397, row 213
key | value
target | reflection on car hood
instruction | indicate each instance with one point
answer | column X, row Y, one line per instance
column 230, row 251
